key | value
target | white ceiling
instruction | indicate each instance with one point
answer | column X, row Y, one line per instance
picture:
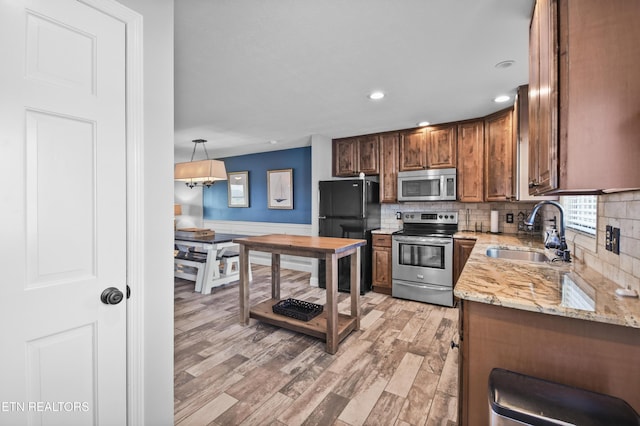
column 251, row 71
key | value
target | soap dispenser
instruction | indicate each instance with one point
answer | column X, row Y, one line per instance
column 552, row 240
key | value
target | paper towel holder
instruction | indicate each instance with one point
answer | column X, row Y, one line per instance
column 494, row 225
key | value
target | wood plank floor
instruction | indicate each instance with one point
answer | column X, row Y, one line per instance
column 398, row 369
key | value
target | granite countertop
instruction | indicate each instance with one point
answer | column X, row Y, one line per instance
column 556, row 288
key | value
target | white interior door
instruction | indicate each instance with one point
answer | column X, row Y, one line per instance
column 63, row 222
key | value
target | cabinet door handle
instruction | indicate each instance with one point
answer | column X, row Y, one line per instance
column 533, row 184
column 454, row 345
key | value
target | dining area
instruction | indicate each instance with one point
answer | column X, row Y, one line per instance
column 212, row 259
column 208, row 258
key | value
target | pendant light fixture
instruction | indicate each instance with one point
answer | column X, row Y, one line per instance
column 203, row 172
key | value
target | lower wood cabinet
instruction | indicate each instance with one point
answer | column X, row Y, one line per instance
column 461, row 252
column 382, row 263
column 585, row 354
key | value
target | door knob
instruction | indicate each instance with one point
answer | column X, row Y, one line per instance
column 111, row 296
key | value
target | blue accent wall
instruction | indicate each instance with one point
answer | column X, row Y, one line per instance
column 214, row 198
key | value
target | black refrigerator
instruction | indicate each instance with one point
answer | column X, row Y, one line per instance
column 349, row 208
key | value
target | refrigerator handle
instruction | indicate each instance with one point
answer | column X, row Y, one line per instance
column 364, row 199
column 322, row 217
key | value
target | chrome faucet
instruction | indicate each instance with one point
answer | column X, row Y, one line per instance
column 562, row 251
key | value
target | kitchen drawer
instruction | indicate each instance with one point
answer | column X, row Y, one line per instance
column 381, row 240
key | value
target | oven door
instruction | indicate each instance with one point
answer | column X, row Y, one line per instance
column 426, row 260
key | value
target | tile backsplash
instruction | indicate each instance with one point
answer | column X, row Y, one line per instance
column 620, row 210
column 471, row 216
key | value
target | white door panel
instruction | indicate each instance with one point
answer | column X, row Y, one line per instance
column 63, row 167
column 53, row 221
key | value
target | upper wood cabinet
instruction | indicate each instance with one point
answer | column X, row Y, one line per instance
column 442, row 147
column 433, row 147
column 471, row 161
column 524, row 160
column 499, row 157
column 389, row 147
column 543, row 98
column 584, row 96
column 354, row 155
column 345, row 157
column 368, row 149
column 413, row 149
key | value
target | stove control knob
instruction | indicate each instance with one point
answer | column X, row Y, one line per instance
column 440, row 216
column 446, row 216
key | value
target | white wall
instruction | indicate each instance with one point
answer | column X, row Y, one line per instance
column 191, row 201
column 158, row 200
column 320, row 170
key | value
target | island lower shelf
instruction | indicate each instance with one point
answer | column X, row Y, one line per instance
column 316, row 327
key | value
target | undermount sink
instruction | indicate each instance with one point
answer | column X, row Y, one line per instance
column 528, row 255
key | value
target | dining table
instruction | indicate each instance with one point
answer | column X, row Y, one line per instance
column 205, row 253
column 330, row 325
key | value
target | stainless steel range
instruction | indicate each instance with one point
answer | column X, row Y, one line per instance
column 423, row 257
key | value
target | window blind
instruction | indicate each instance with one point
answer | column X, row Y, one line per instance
column 581, row 212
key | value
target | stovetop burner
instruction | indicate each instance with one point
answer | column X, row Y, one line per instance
column 437, row 224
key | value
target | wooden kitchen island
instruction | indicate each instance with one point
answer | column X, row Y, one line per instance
column 329, row 325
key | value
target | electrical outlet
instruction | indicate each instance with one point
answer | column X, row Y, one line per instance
column 615, row 240
column 509, row 217
column 607, row 239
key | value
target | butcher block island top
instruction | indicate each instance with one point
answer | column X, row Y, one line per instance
column 329, row 325
column 311, row 246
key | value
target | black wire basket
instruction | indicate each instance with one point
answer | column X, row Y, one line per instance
column 298, row 309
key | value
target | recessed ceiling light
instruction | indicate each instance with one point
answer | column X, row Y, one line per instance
column 376, row 95
column 423, row 123
column 501, row 98
column 505, row 64
column 273, row 142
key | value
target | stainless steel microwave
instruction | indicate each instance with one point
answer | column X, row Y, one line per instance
column 427, row 185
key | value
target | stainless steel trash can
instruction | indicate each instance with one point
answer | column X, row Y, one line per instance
column 517, row 399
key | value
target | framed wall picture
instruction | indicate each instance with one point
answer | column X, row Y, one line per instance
column 238, row 189
column 280, row 189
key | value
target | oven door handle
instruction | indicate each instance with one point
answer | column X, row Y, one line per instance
column 423, row 240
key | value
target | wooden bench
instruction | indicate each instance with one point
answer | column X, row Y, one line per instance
column 190, row 259
column 229, row 262
column 224, row 269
